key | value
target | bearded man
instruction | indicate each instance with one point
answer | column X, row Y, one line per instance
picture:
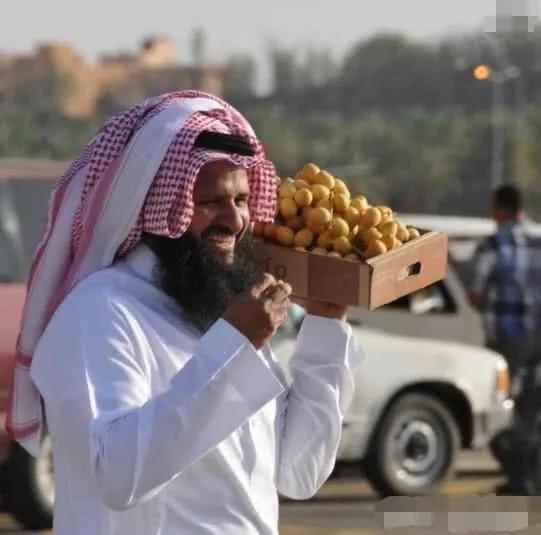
column 145, row 338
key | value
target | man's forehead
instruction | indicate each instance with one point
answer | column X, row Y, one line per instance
column 221, row 175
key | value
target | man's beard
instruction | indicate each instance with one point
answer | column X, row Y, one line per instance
column 192, row 274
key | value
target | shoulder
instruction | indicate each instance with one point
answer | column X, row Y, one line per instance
column 105, row 306
column 93, row 334
column 98, row 318
column 102, row 293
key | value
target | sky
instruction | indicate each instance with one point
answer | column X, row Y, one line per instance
column 233, row 26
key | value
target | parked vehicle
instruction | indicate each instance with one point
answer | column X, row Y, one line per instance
column 428, row 387
column 442, row 311
column 26, row 483
column 417, row 402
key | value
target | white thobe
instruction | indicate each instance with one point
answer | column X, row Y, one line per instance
column 159, row 430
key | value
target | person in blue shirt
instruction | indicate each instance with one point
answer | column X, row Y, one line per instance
column 504, row 289
column 502, row 284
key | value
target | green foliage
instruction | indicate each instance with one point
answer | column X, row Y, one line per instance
column 43, row 135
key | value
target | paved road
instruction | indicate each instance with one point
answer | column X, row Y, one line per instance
column 346, row 507
column 345, row 504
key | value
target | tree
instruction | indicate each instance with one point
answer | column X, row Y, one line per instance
column 240, row 77
column 391, row 72
column 42, row 92
column 285, row 72
column 318, row 67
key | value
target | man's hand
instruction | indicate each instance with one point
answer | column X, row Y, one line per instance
column 258, row 312
column 322, row 308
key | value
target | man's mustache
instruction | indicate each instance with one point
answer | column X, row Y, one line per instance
column 217, row 229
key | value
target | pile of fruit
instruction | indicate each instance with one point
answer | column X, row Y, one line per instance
column 317, row 213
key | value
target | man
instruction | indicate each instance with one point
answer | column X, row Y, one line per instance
column 503, row 290
column 501, row 285
column 146, row 335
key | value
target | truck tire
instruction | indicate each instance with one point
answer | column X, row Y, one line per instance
column 27, row 486
column 414, row 447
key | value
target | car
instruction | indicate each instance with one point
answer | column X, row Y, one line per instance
column 428, row 386
column 26, row 483
column 417, row 402
column 441, row 311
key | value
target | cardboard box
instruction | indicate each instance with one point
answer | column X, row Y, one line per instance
column 369, row 284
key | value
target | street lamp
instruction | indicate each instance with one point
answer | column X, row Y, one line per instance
column 482, row 72
column 485, row 73
column 498, row 77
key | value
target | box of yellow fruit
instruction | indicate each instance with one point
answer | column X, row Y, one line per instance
column 336, row 247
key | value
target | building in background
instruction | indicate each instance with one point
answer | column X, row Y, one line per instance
column 80, row 85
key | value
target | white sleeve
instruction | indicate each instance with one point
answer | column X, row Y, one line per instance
column 98, row 395
column 314, row 408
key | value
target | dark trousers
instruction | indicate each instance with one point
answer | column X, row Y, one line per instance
column 517, row 448
column 516, row 352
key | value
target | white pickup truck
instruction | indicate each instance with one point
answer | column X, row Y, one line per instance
column 427, row 386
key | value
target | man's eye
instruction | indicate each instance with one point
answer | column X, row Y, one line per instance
column 242, row 201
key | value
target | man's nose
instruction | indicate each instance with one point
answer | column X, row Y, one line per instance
column 231, row 217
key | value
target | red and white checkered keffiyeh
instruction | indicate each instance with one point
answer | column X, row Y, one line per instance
column 136, row 175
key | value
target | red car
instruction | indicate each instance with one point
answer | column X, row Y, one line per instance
column 26, row 483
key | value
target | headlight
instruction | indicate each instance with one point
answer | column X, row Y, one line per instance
column 503, row 381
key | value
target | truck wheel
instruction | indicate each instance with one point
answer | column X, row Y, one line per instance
column 414, row 447
column 27, row 486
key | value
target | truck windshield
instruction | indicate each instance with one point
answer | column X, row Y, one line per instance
column 462, row 253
